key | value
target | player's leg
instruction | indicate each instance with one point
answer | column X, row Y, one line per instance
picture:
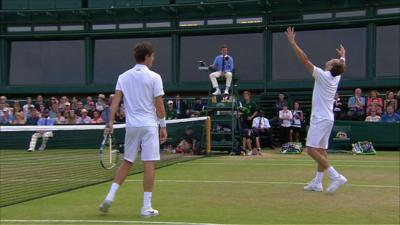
column 132, row 143
column 45, row 138
column 150, row 154
column 228, row 76
column 214, row 82
column 32, row 143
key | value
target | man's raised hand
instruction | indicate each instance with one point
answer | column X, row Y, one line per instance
column 341, row 51
column 290, row 34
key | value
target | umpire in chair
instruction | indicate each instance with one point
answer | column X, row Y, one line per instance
column 223, row 66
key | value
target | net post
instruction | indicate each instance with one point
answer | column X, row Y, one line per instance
column 208, row 135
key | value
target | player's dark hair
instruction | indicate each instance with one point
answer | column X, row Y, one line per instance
column 223, row 46
column 142, row 50
column 338, row 68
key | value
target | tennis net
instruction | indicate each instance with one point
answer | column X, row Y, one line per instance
column 71, row 160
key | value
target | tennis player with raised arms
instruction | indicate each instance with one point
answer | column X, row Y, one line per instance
column 142, row 92
column 322, row 117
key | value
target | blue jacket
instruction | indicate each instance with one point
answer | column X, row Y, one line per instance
column 228, row 63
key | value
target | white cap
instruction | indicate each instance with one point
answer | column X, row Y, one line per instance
column 170, row 102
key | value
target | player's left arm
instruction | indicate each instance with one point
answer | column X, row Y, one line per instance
column 232, row 67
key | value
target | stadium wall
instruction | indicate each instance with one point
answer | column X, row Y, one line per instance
column 81, row 46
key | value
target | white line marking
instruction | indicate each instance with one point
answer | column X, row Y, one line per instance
column 193, row 181
column 135, row 222
column 104, row 222
column 279, row 164
column 261, row 182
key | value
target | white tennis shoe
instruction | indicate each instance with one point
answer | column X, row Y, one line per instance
column 226, row 92
column 149, row 212
column 217, row 92
column 336, row 183
column 105, row 206
column 313, row 186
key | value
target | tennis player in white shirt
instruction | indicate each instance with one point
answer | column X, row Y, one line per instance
column 142, row 92
column 322, row 117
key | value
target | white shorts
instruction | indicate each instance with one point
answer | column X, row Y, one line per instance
column 144, row 137
column 319, row 133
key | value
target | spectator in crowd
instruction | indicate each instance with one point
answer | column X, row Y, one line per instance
column 53, row 110
column 97, row 118
column 398, row 101
column 261, row 127
column 180, row 107
column 62, row 104
column 171, row 112
column 105, row 114
column 39, row 102
column 54, row 101
column 88, row 100
column 45, row 135
column 67, row 106
column 71, row 117
column 101, row 102
column 79, row 107
column 3, row 99
column 41, row 109
column 19, row 119
column 373, row 117
column 7, row 117
column 92, row 108
column 374, row 101
column 197, row 107
column 84, row 119
column 16, row 107
column 188, row 144
column 74, row 103
column 60, row 119
column 356, row 105
column 280, row 102
column 25, row 108
column 338, row 107
column 390, row 101
column 2, row 106
column 390, row 116
column 285, row 116
column 298, row 118
column 33, row 117
column 120, row 115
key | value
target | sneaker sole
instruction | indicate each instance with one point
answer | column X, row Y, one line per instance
column 148, row 216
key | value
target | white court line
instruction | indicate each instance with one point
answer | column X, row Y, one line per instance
column 143, row 222
column 246, row 159
column 259, row 182
column 104, row 222
column 194, row 181
column 277, row 164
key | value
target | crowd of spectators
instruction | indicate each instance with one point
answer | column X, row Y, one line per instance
column 64, row 110
column 373, row 107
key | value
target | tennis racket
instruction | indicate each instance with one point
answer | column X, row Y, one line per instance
column 108, row 152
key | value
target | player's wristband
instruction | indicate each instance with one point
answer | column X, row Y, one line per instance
column 343, row 58
column 162, row 122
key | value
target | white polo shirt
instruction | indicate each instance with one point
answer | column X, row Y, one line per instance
column 325, row 87
column 140, row 86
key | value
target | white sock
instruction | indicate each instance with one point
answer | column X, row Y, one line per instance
column 318, row 177
column 111, row 193
column 332, row 172
column 147, row 200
